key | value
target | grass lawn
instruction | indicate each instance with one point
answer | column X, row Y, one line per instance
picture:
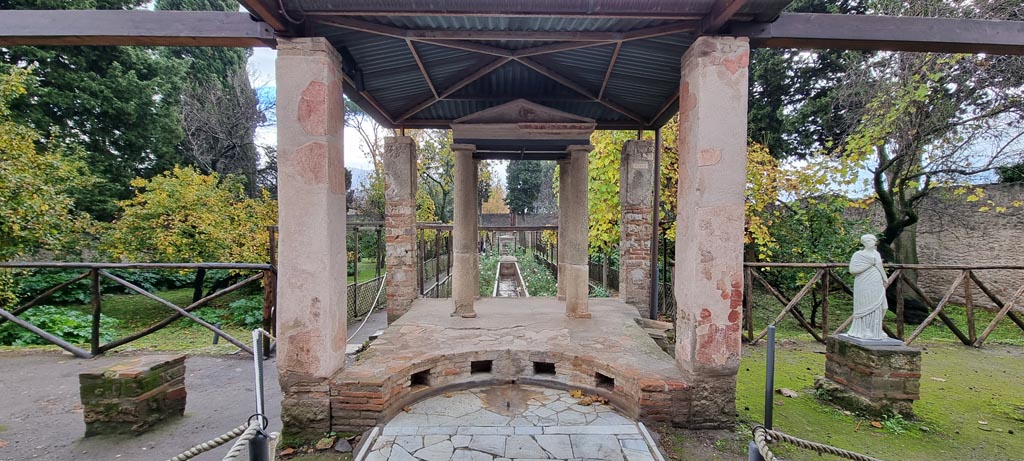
column 366, row 271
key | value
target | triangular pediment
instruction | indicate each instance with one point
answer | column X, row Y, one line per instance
column 521, row 111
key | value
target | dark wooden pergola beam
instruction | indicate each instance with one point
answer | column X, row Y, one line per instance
column 480, row 73
column 611, row 67
column 721, row 13
column 885, row 33
column 133, row 28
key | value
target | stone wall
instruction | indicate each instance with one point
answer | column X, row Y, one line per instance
column 952, row 230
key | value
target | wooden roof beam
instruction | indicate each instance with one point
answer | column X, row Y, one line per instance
column 608, row 73
column 721, row 12
column 886, row 33
column 267, row 11
column 133, row 28
column 480, row 73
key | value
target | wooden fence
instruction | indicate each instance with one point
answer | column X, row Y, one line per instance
column 827, row 282
column 97, row 271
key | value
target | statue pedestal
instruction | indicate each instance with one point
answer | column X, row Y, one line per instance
column 872, row 377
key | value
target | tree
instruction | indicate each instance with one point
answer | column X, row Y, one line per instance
column 1013, row 173
column 120, row 104
column 484, row 185
column 930, row 120
column 436, row 164
column 38, row 182
column 186, row 216
column 524, row 182
column 495, row 203
column 792, row 92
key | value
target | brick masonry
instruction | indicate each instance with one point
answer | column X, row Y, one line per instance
column 400, row 224
column 636, row 193
column 133, row 396
column 609, row 355
column 873, row 380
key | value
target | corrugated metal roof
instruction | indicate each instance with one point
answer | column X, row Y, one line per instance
column 645, row 75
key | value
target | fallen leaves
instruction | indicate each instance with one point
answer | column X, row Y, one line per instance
column 876, row 424
column 587, row 400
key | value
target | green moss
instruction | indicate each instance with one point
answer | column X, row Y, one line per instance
column 960, row 386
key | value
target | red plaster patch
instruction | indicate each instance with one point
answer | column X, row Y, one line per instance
column 709, row 156
column 312, row 109
column 733, row 64
column 705, row 315
column 310, row 162
column 734, row 316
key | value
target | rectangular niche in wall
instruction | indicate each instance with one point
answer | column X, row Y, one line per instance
column 604, row 381
column 480, row 366
column 543, row 368
column 420, row 378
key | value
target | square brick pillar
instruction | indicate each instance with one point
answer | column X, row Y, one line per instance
column 399, row 224
column 465, row 270
column 636, row 194
column 576, row 218
column 709, row 240
column 312, row 313
column 563, row 193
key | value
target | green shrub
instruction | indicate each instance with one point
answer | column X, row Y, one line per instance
column 72, row 326
column 29, row 283
column 246, row 312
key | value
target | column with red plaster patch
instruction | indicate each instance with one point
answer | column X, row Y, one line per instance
column 709, row 243
column 312, row 308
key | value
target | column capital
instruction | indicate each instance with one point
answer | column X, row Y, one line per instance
column 463, row 147
column 399, row 140
column 307, row 46
column 579, row 148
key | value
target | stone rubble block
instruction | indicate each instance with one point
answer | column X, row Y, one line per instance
column 134, row 395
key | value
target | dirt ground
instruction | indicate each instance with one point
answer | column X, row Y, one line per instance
column 41, row 415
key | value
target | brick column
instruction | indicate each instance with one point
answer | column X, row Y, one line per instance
column 399, row 224
column 576, row 218
column 636, row 195
column 312, row 307
column 465, row 273
column 563, row 193
column 709, row 241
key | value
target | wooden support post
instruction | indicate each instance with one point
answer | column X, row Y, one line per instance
column 355, row 272
column 1003, row 311
column 94, row 337
column 945, row 319
column 748, row 302
column 269, row 307
column 972, row 332
column 900, row 310
column 790, row 304
column 419, row 263
column 825, row 282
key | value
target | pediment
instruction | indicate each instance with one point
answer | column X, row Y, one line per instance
column 521, row 111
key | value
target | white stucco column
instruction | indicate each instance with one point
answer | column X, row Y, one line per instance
column 311, row 297
column 465, row 273
column 708, row 274
column 576, row 217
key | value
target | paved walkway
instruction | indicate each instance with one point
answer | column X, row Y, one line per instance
column 510, row 422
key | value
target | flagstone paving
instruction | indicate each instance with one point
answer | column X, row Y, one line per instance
column 511, row 422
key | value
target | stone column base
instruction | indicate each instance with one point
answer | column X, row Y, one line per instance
column 305, row 407
column 871, row 379
column 577, row 291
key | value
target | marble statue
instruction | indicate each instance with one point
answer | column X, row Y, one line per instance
column 869, row 304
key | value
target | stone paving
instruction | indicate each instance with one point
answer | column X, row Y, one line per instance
column 510, row 422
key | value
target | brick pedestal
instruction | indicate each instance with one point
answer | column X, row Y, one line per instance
column 636, row 193
column 875, row 380
column 132, row 396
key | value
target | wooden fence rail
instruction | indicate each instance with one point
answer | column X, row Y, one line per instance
column 95, row 271
column 825, row 276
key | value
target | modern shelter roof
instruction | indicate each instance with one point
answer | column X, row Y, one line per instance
column 426, row 63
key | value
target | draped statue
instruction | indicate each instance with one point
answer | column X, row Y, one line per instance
column 869, row 303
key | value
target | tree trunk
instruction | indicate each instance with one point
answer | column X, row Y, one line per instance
column 197, row 285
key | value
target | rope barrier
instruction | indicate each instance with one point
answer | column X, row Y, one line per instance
column 243, row 439
column 764, row 436
column 368, row 314
column 211, row 444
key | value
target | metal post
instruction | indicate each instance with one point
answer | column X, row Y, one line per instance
column 94, row 339
column 355, row 271
column 655, row 218
column 259, row 448
column 769, row 379
column 380, row 252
